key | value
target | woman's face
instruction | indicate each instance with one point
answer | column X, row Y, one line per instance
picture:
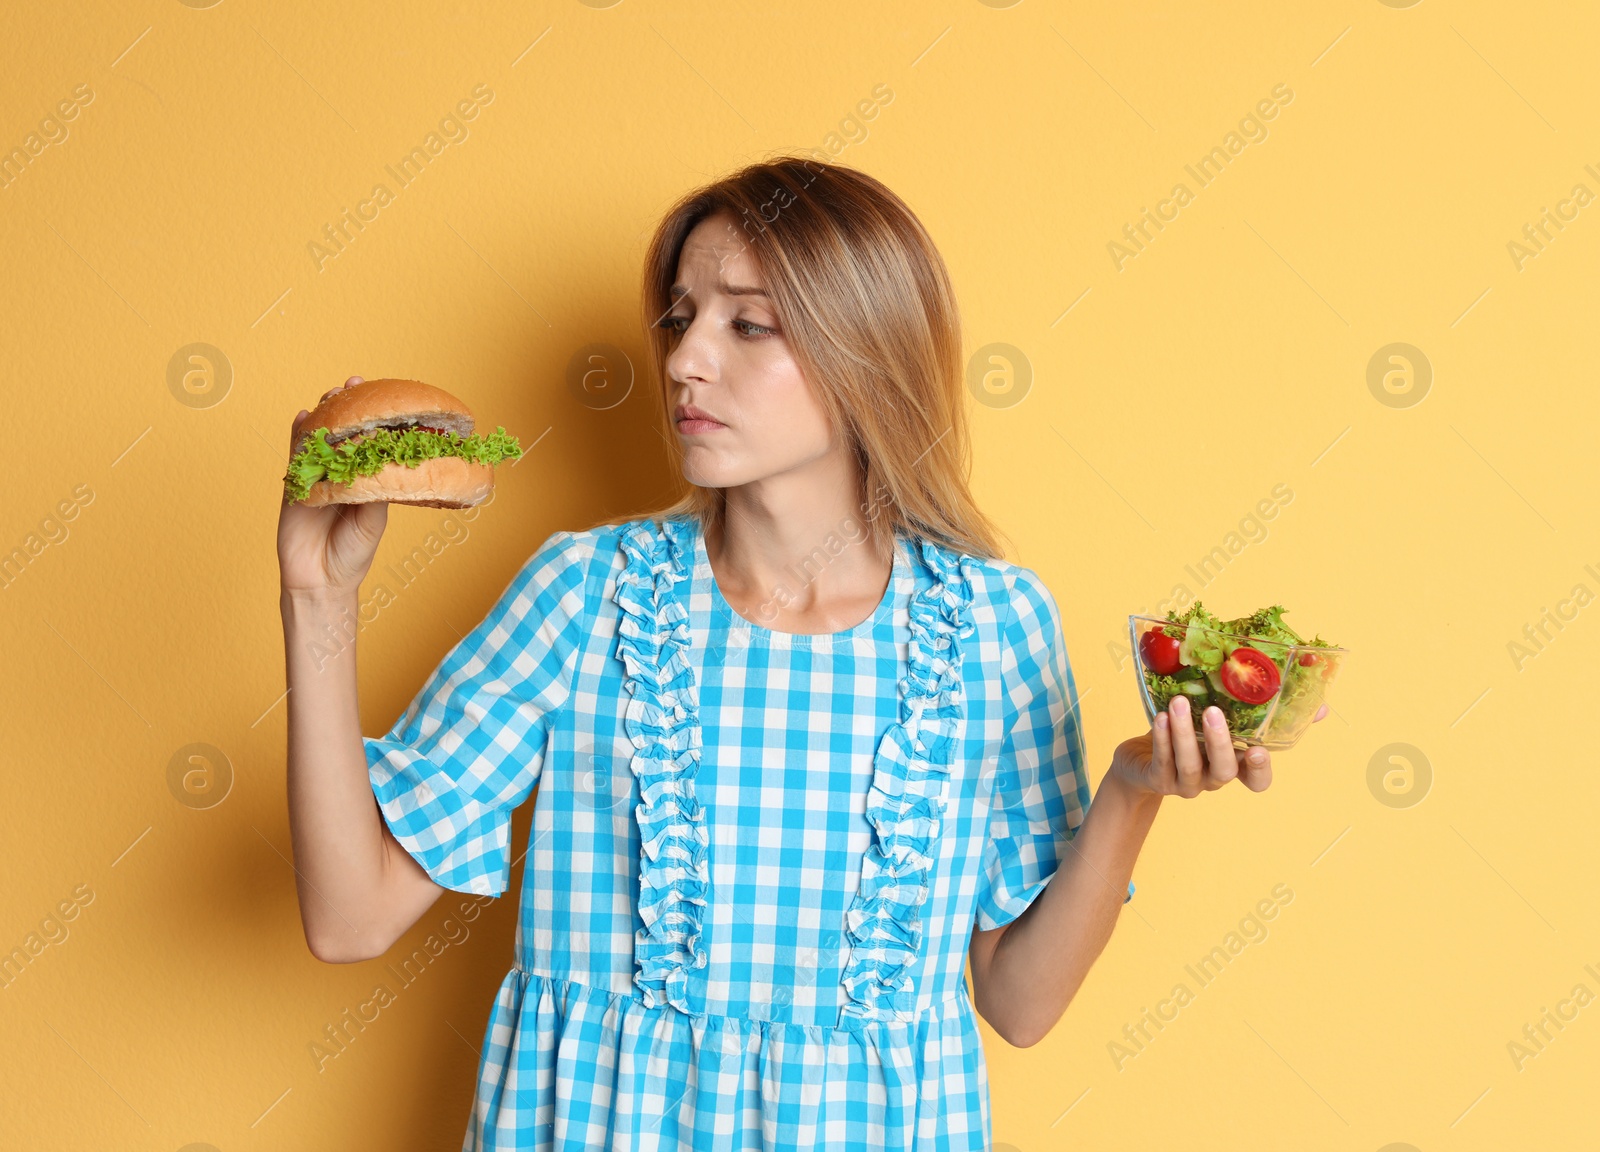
column 730, row 360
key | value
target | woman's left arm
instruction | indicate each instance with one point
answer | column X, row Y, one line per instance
column 1025, row 973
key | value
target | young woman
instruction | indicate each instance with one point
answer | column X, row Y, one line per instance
column 805, row 744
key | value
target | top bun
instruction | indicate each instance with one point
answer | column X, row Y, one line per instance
column 373, row 404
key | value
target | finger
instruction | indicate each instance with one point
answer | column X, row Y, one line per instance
column 1185, row 748
column 1321, row 712
column 1256, row 771
column 1161, row 752
column 1222, row 765
column 346, row 384
column 294, row 429
column 370, row 519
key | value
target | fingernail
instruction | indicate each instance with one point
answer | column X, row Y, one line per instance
column 1180, row 705
column 1256, row 756
column 1213, row 717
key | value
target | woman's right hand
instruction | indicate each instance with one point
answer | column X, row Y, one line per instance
column 327, row 550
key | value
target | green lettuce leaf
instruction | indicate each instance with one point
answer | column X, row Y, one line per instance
column 1204, row 642
column 371, row 452
column 1162, row 689
column 1194, row 614
column 1266, row 624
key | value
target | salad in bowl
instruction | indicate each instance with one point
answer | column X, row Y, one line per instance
column 1266, row 679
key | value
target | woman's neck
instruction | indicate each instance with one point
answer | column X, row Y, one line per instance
column 795, row 552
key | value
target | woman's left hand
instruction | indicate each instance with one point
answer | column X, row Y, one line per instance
column 1170, row 760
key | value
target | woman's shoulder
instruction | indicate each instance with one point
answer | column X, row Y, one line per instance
column 1019, row 616
column 586, row 556
column 1001, row 588
column 563, row 579
column 578, row 550
column 611, row 541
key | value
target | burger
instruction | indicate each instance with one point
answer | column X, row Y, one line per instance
column 399, row 441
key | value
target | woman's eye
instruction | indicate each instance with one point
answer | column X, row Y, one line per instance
column 746, row 328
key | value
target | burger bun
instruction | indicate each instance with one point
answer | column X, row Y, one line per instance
column 362, row 407
column 442, row 482
column 388, row 403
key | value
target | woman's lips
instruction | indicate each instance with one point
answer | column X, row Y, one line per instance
column 696, row 427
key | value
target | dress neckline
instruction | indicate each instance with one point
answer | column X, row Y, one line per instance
column 905, row 802
column 897, row 591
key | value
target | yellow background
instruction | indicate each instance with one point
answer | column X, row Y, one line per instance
column 1228, row 357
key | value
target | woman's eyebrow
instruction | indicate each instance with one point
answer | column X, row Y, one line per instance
column 726, row 289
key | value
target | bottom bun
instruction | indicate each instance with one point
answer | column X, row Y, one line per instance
column 442, row 482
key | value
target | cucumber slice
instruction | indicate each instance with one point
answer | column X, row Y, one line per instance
column 1196, row 690
column 1215, row 680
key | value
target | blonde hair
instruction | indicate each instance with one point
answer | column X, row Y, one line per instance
column 867, row 307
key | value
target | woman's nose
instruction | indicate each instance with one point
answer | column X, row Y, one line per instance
column 693, row 358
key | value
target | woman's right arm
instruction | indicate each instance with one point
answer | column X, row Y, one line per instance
column 359, row 889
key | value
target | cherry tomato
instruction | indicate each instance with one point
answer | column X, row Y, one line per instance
column 1250, row 675
column 1159, row 652
column 1307, row 659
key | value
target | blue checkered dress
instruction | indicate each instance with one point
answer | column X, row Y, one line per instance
column 756, row 857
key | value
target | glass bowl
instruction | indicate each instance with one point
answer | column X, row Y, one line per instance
column 1305, row 672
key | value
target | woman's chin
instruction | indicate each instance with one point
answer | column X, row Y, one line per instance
column 703, row 472
column 707, row 477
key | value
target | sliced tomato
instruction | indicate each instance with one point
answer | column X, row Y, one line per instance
column 1159, row 652
column 1249, row 675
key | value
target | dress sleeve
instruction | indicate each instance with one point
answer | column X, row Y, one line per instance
column 1040, row 789
column 470, row 747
